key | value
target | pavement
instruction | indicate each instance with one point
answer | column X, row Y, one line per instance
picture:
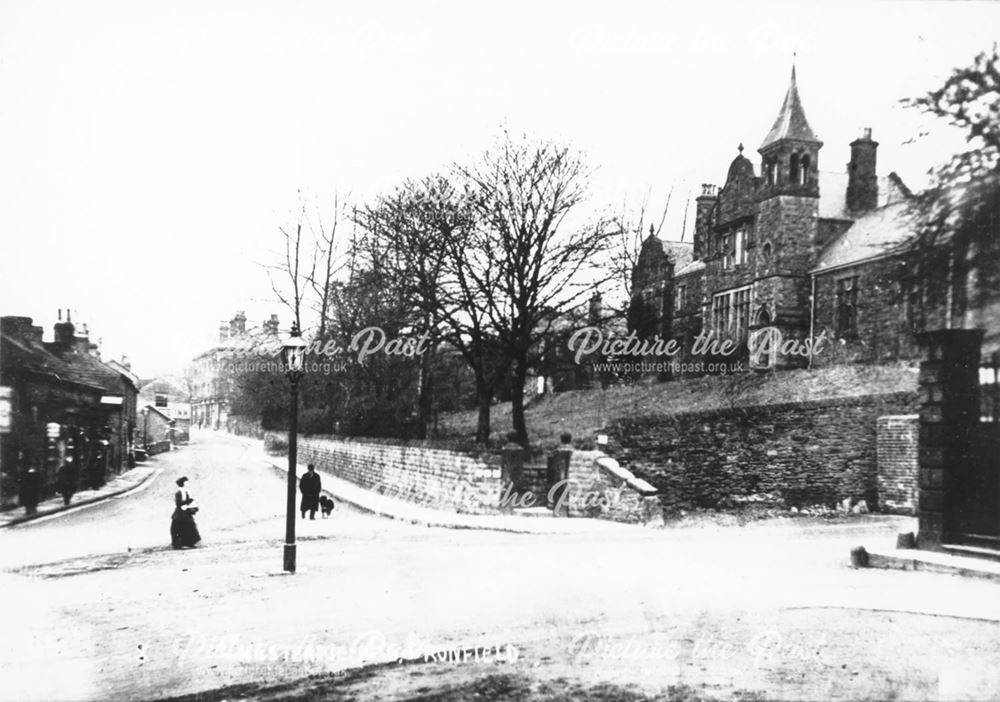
column 121, row 485
column 933, row 562
column 531, row 522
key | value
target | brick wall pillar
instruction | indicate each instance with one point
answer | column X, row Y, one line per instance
column 949, row 385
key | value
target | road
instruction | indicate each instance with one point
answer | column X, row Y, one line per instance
column 97, row 606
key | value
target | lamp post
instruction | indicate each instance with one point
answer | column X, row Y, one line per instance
column 293, row 353
column 145, row 429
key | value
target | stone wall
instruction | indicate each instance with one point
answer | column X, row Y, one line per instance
column 600, row 488
column 884, row 319
column 817, row 452
column 433, row 477
column 897, row 440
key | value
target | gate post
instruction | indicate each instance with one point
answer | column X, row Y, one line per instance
column 558, row 471
column 949, row 389
column 512, row 457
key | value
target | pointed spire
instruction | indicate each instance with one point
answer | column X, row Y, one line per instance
column 791, row 122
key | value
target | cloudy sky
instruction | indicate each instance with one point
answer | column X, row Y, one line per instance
column 150, row 150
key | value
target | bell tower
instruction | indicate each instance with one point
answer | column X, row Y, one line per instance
column 787, row 221
column 790, row 151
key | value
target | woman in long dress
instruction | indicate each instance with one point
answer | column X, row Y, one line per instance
column 183, row 530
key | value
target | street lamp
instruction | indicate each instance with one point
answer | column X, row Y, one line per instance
column 145, row 429
column 293, row 354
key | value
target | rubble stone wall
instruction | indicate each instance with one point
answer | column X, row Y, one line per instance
column 805, row 453
column 437, row 478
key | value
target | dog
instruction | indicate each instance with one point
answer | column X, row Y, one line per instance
column 326, row 505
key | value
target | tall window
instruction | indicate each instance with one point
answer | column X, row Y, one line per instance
column 740, row 255
column 741, row 313
column 720, row 315
column 847, row 305
column 734, row 249
column 680, row 298
column 731, row 314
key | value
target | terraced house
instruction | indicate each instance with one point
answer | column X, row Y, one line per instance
column 812, row 253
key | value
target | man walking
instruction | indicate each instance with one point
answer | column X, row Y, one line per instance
column 310, row 486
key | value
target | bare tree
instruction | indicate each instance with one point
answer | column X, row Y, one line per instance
column 630, row 233
column 291, row 270
column 426, row 230
column 533, row 265
column 325, row 259
column 308, row 264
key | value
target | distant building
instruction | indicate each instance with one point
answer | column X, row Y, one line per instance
column 170, row 397
column 155, row 426
column 210, row 383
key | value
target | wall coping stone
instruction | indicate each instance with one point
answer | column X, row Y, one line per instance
column 737, row 410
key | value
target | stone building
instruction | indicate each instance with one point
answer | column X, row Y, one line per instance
column 817, row 255
column 208, row 376
column 66, row 402
column 171, row 397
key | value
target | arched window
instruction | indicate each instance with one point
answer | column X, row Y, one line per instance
column 793, row 169
column 762, row 318
column 804, row 171
column 766, row 252
column 769, row 170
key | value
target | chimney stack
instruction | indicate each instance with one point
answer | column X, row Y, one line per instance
column 862, row 177
column 238, row 324
column 63, row 332
column 702, row 219
column 271, row 325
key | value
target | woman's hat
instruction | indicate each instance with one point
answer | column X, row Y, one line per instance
column 182, row 480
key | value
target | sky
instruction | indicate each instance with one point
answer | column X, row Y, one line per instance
column 149, row 151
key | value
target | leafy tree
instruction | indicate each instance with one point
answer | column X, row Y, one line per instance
column 958, row 214
column 969, row 181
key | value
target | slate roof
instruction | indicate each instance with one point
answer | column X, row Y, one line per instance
column 833, row 193
column 21, row 354
column 692, row 267
column 163, row 385
column 791, row 122
column 882, row 231
column 22, row 351
column 680, row 252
